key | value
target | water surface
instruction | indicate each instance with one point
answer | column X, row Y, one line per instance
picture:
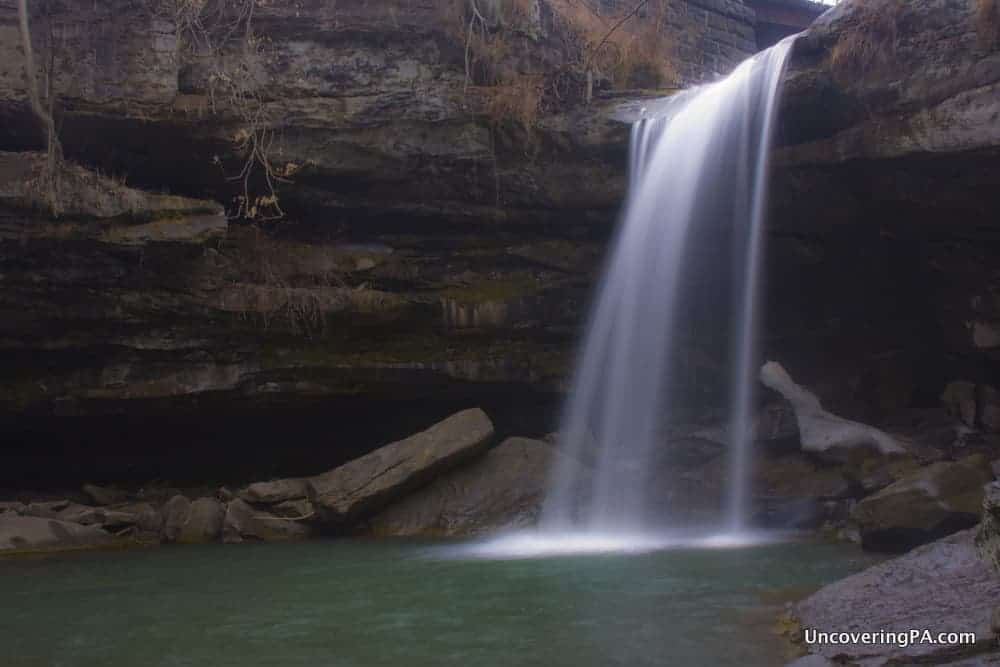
column 375, row 603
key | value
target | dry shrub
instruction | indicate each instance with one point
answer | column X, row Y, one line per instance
column 869, row 40
column 628, row 48
column 623, row 49
column 988, row 23
column 516, row 98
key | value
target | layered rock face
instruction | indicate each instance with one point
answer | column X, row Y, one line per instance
column 438, row 230
column 445, row 214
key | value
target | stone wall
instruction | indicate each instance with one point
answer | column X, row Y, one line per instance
column 713, row 36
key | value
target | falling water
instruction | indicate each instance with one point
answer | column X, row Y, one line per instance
column 697, row 180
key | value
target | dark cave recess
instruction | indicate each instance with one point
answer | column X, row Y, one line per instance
column 216, row 440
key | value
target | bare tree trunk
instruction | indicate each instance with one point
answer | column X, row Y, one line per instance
column 44, row 115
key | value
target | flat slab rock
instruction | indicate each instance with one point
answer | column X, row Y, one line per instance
column 941, row 587
column 503, row 489
column 369, row 483
column 30, row 533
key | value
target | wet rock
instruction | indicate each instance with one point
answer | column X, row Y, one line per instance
column 369, row 483
column 242, row 521
column 940, row 586
column 821, row 432
column 923, row 506
column 29, row 533
column 988, row 535
column 104, row 495
column 275, row 491
column 503, row 489
column 204, row 522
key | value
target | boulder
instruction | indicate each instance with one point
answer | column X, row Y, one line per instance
column 46, row 509
column 942, row 587
column 821, row 432
column 293, row 509
column 11, row 506
column 503, row 489
column 369, row 483
column 275, row 491
column 29, row 533
column 244, row 521
column 204, row 522
column 144, row 517
column 927, row 504
column 175, row 515
column 107, row 518
column 158, row 495
column 104, row 495
column 988, row 535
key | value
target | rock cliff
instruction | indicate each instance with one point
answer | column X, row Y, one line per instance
column 449, row 183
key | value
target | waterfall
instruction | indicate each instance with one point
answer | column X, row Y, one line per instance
column 697, row 184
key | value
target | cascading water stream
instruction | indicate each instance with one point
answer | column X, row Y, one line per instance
column 697, row 182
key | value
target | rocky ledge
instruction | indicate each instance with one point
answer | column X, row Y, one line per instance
column 941, row 587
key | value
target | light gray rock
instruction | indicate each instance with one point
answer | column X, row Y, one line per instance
column 11, row 506
column 294, row 509
column 104, row 495
column 369, row 483
column 46, row 509
column 204, row 522
column 30, row 533
column 145, row 517
column 821, row 432
column 942, row 587
column 242, row 521
column 175, row 515
column 925, row 505
column 105, row 517
column 503, row 489
column 275, row 491
column 811, row 660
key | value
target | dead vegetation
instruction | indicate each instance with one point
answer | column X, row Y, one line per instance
column 221, row 32
column 870, row 39
column 621, row 49
column 43, row 107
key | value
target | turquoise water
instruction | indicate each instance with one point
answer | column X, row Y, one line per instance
column 374, row 603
